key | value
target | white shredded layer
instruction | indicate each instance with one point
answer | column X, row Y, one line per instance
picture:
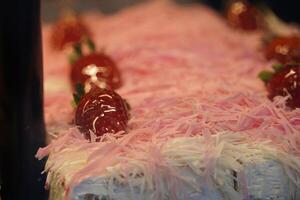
column 158, row 167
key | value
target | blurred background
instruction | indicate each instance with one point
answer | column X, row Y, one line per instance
column 286, row 10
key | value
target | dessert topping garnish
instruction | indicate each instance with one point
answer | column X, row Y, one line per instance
column 284, row 49
column 283, row 81
column 101, row 111
column 93, row 67
column 68, row 31
column 242, row 15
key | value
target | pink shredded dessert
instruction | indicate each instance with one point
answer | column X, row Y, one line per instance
column 186, row 74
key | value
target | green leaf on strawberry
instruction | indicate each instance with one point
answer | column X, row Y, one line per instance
column 265, row 75
column 79, row 92
column 78, row 49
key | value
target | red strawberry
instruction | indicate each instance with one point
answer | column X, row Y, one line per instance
column 284, row 81
column 96, row 68
column 242, row 15
column 101, row 111
column 68, row 31
column 284, row 49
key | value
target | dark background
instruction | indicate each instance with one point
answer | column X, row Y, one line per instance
column 21, row 101
column 287, row 10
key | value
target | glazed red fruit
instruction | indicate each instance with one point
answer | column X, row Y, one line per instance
column 242, row 15
column 284, row 49
column 95, row 68
column 101, row 111
column 68, row 31
column 286, row 82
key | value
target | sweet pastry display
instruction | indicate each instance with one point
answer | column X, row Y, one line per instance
column 197, row 122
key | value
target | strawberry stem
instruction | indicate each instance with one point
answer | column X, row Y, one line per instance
column 277, row 67
column 78, row 49
column 265, row 76
column 73, row 57
column 79, row 92
column 76, row 54
column 91, row 45
column 128, row 107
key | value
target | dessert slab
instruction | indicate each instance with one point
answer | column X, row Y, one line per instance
column 201, row 125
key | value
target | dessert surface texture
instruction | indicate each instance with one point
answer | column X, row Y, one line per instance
column 201, row 123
